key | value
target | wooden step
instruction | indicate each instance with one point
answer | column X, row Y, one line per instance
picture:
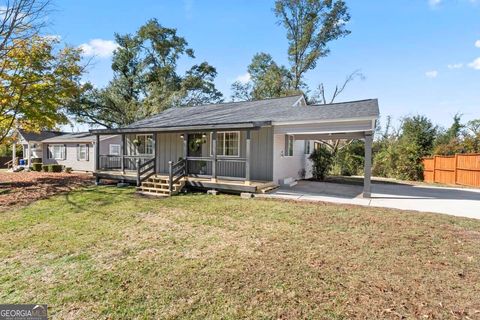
column 269, row 189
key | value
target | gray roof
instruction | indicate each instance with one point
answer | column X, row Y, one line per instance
column 39, row 136
column 75, row 137
column 269, row 111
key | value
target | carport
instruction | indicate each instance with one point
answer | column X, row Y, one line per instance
column 357, row 120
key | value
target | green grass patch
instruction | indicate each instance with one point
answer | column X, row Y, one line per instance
column 104, row 252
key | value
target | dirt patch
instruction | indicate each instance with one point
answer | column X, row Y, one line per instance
column 22, row 188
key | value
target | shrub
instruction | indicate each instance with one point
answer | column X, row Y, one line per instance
column 37, row 167
column 45, row 167
column 68, row 169
column 55, row 168
column 322, row 161
column 349, row 160
column 36, row 160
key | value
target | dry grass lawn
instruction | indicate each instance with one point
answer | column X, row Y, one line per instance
column 105, row 253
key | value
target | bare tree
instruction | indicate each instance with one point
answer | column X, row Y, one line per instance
column 20, row 19
column 320, row 97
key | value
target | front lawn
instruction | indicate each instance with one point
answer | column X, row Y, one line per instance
column 103, row 252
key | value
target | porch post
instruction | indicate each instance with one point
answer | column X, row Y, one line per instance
column 185, row 151
column 247, row 161
column 367, row 189
column 155, row 152
column 14, row 154
column 97, row 152
column 123, row 151
column 29, row 152
column 214, row 156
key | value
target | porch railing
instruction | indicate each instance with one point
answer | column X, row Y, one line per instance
column 111, row 162
column 232, row 168
column 145, row 170
column 199, row 166
column 176, row 171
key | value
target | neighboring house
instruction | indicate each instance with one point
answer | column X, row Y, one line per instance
column 74, row 150
column 237, row 146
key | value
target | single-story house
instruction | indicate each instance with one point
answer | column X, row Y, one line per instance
column 74, row 150
column 236, row 146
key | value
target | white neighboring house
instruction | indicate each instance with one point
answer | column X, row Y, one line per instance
column 74, row 150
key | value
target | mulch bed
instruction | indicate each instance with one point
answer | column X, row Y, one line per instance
column 22, row 188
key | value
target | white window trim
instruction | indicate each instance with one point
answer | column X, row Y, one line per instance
column 52, row 153
column 114, row 145
column 287, row 138
column 146, row 135
column 86, row 151
column 223, row 155
column 307, row 147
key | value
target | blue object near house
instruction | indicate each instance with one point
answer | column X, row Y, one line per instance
column 22, row 162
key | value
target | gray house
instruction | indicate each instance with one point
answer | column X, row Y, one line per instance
column 239, row 146
column 74, row 150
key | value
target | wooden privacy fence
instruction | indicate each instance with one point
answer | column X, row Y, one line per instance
column 461, row 169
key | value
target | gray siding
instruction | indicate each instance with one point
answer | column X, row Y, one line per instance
column 71, row 157
column 262, row 154
column 170, row 148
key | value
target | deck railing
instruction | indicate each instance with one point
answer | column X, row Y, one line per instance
column 145, row 170
column 225, row 167
column 176, row 171
column 114, row 162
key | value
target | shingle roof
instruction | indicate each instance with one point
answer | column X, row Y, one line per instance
column 276, row 110
column 75, row 137
column 39, row 136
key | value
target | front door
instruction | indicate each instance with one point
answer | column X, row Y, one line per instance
column 194, row 147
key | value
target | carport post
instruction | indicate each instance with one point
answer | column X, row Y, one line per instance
column 367, row 189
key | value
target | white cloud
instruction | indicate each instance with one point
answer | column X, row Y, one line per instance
column 475, row 64
column 53, row 37
column 243, row 78
column 98, row 47
column 431, row 74
column 455, row 66
column 434, row 3
column 477, row 43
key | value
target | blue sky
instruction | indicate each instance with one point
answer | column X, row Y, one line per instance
column 417, row 56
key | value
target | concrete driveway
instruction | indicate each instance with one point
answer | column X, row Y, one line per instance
column 453, row 201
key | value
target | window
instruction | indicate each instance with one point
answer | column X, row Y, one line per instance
column 307, row 147
column 289, row 145
column 228, row 144
column 56, row 151
column 145, row 144
column 82, row 152
column 115, row 150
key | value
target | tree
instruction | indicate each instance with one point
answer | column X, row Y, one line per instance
column 322, row 160
column 319, row 96
column 311, row 25
column 267, row 80
column 20, row 20
column 146, row 80
column 400, row 155
column 37, row 81
column 449, row 142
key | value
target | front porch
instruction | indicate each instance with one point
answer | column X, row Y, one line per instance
column 221, row 184
column 205, row 160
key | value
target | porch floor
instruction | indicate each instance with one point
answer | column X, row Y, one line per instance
column 197, row 182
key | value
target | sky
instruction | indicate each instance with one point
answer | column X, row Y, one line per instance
column 417, row 56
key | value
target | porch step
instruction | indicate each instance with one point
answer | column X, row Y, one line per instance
column 269, row 189
column 159, row 186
